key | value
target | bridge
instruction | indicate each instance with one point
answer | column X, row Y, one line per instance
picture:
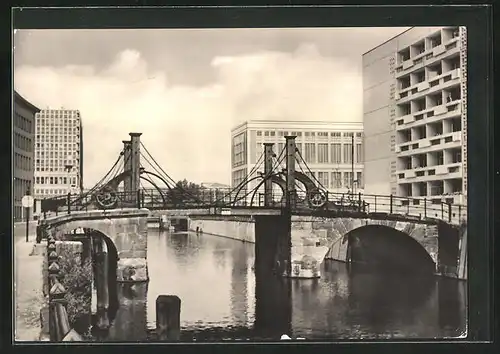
column 282, row 193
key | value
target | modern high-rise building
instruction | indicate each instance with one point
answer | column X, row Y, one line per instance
column 23, row 144
column 58, row 153
column 326, row 148
column 415, row 115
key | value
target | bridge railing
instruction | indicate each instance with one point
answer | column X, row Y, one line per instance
column 420, row 208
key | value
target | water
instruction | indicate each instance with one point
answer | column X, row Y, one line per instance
column 221, row 299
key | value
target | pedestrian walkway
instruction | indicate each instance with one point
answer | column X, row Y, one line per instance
column 27, row 290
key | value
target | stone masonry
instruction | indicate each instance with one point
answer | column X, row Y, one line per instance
column 126, row 228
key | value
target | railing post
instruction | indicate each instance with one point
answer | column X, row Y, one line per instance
column 459, row 212
column 359, row 201
column 408, row 206
column 375, row 203
column 449, row 212
column 425, row 207
column 442, row 211
column 390, row 201
column 68, row 200
column 138, row 199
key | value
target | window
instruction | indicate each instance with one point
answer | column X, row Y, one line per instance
column 348, row 179
column 336, row 134
column 336, row 153
column 259, row 133
column 359, row 153
column 347, row 153
column 323, row 179
column 239, row 150
column 349, row 135
column 336, row 179
column 322, row 153
column 359, row 179
column 310, row 153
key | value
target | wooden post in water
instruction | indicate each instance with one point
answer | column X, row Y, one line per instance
column 101, row 258
column 168, row 317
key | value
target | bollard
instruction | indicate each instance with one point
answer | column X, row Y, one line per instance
column 101, row 259
column 168, row 311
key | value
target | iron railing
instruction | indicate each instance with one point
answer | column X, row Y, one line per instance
column 318, row 200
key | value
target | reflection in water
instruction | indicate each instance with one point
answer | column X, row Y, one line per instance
column 222, row 298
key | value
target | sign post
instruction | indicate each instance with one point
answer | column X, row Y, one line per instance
column 27, row 203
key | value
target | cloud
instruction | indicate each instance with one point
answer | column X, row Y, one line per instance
column 187, row 128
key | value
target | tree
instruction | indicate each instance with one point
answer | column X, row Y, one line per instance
column 185, row 192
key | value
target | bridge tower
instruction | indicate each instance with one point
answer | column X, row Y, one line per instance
column 135, row 163
column 127, row 166
column 268, row 168
column 291, row 150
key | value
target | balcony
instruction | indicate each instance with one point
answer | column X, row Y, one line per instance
column 423, row 86
column 408, row 118
column 456, row 137
column 437, row 50
column 407, row 64
column 441, row 169
column 441, row 109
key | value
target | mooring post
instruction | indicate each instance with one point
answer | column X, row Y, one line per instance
column 268, row 168
column 168, row 317
column 101, row 257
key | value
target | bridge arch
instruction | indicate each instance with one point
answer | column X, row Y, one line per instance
column 388, row 248
column 420, row 237
column 126, row 230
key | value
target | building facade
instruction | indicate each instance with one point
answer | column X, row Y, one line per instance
column 326, row 148
column 23, row 151
column 58, row 153
column 415, row 115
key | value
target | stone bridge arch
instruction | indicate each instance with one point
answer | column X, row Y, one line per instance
column 126, row 229
column 331, row 234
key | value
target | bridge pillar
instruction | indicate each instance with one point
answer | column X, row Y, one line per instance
column 135, row 157
column 268, row 168
column 127, row 166
column 290, row 171
column 273, row 245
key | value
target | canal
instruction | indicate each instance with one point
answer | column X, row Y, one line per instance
column 221, row 299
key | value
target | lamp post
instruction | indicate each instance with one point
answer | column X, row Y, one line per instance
column 68, row 167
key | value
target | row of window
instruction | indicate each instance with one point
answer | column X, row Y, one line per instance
column 23, row 123
column 55, row 180
column 56, row 162
column 338, row 179
column 22, row 142
column 22, row 162
column 335, row 153
column 308, row 134
column 57, row 113
column 42, row 146
column 62, row 153
column 57, row 137
column 47, row 193
column 239, row 151
column 431, row 188
column 54, row 168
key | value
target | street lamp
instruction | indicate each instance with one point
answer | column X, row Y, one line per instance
column 68, row 167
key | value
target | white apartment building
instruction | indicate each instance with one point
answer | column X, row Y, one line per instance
column 58, row 153
column 415, row 115
column 325, row 147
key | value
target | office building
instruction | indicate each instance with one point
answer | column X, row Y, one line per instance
column 23, row 146
column 58, row 153
column 415, row 115
column 325, row 147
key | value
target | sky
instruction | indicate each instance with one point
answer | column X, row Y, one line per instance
column 185, row 89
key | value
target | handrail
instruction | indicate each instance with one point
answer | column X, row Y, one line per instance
column 411, row 207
